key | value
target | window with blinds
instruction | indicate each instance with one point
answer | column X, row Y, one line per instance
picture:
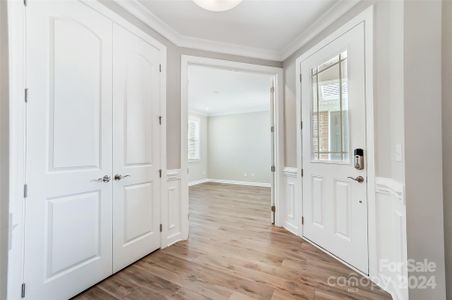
column 194, row 146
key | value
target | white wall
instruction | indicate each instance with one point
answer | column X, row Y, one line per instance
column 239, row 147
column 198, row 168
column 447, row 138
column 423, row 140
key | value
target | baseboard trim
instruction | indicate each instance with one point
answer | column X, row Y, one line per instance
column 225, row 181
column 238, row 182
column 199, row 181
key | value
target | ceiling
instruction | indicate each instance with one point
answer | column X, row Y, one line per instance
column 213, row 91
column 268, row 29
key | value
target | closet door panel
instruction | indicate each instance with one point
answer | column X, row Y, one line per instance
column 136, row 154
column 69, row 147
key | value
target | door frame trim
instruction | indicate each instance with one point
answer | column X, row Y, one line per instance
column 277, row 73
column 367, row 18
column 17, row 135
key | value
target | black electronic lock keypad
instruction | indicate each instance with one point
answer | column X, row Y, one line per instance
column 358, row 156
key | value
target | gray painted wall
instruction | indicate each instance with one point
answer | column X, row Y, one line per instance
column 447, row 138
column 174, row 78
column 4, row 166
column 239, row 147
column 423, row 140
column 198, row 169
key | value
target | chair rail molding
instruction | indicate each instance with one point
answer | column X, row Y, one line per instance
column 391, row 237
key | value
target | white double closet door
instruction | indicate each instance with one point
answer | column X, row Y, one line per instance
column 93, row 149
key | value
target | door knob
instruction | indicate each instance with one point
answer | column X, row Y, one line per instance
column 119, row 176
column 359, row 179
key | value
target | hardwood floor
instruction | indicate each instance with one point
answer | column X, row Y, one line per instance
column 233, row 252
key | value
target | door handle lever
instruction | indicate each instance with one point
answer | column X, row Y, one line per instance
column 119, row 176
column 359, row 179
column 106, row 178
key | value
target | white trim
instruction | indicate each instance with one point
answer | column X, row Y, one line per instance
column 277, row 73
column 289, row 171
column 366, row 17
column 320, row 24
column 239, row 112
column 292, row 197
column 228, row 113
column 136, row 8
column 17, row 133
column 199, row 181
column 16, row 62
column 174, row 174
column 239, row 182
column 391, row 193
column 391, row 187
column 144, row 14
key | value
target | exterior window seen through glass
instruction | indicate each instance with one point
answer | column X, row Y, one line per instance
column 330, row 117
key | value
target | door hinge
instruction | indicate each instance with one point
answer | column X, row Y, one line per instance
column 26, row 95
column 301, row 125
column 160, row 173
column 25, row 190
column 25, row 2
column 272, row 129
column 161, row 227
column 160, row 120
column 22, row 290
column 301, row 77
column 160, row 68
column 273, row 169
column 302, row 220
column 272, row 90
column 273, row 208
column 302, row 172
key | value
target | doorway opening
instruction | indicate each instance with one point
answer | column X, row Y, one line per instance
column 231, row 130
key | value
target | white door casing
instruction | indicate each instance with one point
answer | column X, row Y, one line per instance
column 68, row 232
column 136, row 150
column 272, row 145
column 334, row 206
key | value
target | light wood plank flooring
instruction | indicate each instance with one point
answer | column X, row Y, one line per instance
column 233, row 252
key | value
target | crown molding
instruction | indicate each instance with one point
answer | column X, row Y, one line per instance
column 136, row 8
column 325, row 20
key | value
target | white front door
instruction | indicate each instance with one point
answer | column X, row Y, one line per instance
column 136, row 149
column 333, row 114
column 68, row 210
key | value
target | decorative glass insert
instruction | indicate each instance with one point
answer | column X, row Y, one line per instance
column 330, row 118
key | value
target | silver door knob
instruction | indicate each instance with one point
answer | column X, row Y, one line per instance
column 119, row 176
column 359, row 179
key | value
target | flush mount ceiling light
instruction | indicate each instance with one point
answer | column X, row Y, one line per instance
column 217, row 5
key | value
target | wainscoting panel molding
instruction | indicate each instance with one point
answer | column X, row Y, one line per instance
column 261, row 184
column 172, row 230
column 391, row 237
column 292, row 201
